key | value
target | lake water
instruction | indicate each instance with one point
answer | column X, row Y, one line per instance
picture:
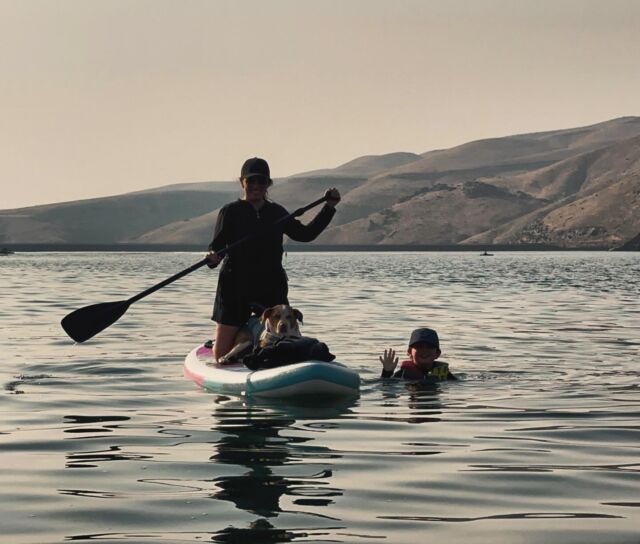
column 539, row 442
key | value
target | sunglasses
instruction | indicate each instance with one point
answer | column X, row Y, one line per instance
column 257, row 180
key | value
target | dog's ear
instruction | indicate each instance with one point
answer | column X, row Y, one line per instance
column 298, row 314
column 266, row 314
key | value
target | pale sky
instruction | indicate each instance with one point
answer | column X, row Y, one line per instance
column 104, row 97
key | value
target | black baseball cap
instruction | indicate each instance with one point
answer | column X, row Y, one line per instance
column 255, row 167
column 426, row 336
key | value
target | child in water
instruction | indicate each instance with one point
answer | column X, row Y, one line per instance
column 424, row 349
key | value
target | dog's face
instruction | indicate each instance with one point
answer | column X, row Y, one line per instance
column 282, row 320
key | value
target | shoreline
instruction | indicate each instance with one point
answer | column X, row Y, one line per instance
column 306, row 248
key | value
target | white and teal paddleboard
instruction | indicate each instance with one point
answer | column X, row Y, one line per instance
column 307, row 379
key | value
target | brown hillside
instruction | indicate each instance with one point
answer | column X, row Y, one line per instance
column 443, row 214
column 364, row 167
column 526, row 149
column 585, row 172
column 606, row 217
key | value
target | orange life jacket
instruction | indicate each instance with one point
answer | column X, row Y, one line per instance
column 411, row 371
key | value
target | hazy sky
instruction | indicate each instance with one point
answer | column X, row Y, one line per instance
column 109, row 96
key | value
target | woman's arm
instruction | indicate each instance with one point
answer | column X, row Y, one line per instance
column 299, row 232
column 295, row 230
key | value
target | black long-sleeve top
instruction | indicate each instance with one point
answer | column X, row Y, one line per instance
column 239, row 219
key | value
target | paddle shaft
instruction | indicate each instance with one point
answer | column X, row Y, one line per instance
column 221, row 253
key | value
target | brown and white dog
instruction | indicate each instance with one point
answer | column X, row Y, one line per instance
column 279, row 321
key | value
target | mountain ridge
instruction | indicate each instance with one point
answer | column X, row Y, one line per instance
column 576, row 187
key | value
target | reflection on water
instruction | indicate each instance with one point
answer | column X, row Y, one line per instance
column 422, row 401
column 258, row 531
column 524, row 515
column 259, row 445
column 538, row 442
column 254, row 439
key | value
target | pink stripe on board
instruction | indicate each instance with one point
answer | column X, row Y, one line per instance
column 195, row 377
column 204, row 351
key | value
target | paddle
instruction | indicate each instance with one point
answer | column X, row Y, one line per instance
column 85, row 323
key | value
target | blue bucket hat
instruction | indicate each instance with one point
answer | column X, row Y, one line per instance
column 424, row 335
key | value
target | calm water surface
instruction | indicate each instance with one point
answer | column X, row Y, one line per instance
column 538, row 443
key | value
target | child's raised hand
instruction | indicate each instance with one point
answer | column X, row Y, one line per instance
column 389, row 360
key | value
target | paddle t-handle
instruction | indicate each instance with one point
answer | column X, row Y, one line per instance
column 86, row 322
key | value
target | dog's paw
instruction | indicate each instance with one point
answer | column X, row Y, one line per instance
column 224, row 361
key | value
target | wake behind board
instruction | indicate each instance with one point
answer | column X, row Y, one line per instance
column 307, row 379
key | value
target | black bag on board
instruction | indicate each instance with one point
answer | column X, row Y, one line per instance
column 287, row 351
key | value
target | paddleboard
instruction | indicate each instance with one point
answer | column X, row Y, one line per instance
column 307, row 379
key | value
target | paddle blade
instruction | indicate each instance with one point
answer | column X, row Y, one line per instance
column 86, row 322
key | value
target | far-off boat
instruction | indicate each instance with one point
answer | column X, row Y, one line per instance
column 6, row 251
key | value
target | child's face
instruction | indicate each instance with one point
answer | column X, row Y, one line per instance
column 423, row 355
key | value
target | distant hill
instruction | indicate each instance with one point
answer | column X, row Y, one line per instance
column 482, row 159
column 525, row 150
column 366, row 166
column 594, row 200
column 440, row 214
column 104, row 220
column 577, row 187
column 208, row 186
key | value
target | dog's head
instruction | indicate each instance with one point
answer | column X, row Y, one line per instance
column 282, row 320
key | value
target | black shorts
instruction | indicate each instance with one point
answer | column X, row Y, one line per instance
column 237, row 291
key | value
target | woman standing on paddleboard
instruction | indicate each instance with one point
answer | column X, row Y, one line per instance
column 252, row 272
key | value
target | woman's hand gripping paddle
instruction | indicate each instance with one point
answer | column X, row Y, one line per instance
column 85, row 323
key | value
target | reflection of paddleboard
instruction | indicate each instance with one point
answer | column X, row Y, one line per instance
column 311, row 378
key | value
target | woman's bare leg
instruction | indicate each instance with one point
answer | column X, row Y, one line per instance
column 225, row 335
